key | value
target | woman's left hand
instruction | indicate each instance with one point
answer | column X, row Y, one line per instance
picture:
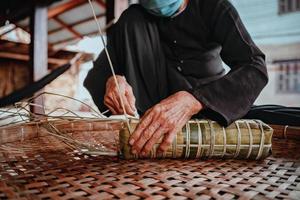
column 164, row 119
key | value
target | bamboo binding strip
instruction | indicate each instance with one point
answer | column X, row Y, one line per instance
column 199, row 139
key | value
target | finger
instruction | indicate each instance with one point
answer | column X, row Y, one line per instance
column 108, row 100
column 125, row 103
column 153, row 140
column 114, row 112
column 145, row 136
column 119, row 95
column 120, row 91
column 127, row 106
column 130, row 98
column 108, row 103
column 111, row 98
column 167, row 141
column 117, row 105
column 110, row 106
column 131, row 104
column 145, row 121
column 146, row 114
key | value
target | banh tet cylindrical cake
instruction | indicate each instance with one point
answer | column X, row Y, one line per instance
column 205, row 139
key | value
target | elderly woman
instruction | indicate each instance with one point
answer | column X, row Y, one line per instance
column 168, row 59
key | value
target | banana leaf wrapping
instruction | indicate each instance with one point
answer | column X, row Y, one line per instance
column 205, row 139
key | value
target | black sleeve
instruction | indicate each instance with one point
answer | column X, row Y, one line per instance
column 231, row 97
column 95, row 81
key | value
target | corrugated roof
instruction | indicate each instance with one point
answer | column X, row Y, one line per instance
column 81, row 12
column 71, row 20
column 52, row 24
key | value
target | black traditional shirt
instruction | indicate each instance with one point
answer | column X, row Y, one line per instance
column 209, row 29
column 195, row 43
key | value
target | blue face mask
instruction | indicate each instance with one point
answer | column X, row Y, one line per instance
column 162, row 8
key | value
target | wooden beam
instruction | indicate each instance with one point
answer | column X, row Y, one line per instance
column 23, row 57
column 77, row 23
column 69, row 28
column 64, row 41
column 55, row 11
column 38, row 49
column 104, row 30
column 7, row 45
column 87, row 34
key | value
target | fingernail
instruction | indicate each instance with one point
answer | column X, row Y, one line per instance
column 131, row 141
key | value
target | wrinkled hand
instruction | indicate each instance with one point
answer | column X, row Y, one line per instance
column 112, row 97
column 164, row 119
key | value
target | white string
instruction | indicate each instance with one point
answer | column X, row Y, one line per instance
column 110, row 65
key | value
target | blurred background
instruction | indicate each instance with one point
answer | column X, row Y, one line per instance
column 58, row 30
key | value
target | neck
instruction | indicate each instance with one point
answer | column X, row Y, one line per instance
column 182, row 8
column 183, row 5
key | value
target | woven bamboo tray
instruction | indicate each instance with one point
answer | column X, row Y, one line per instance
column 36, row 165
column 286, row 132
column 48, row 169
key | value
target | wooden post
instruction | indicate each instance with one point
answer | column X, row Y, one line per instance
column 38, row 48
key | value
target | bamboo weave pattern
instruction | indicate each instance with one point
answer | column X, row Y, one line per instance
column 50, row 170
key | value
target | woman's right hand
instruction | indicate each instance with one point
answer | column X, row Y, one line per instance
column 112, row 96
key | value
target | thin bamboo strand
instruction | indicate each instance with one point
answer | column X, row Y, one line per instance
column 262, row 141
column 239, row 135
column 34, row 115
column 224, row 142
column 250, row 139
column 51, row 93
column 199, row 146
column 110, row 64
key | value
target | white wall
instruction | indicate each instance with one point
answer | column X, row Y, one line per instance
column 270, row 96
column 265, row 25
column 278, row 36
